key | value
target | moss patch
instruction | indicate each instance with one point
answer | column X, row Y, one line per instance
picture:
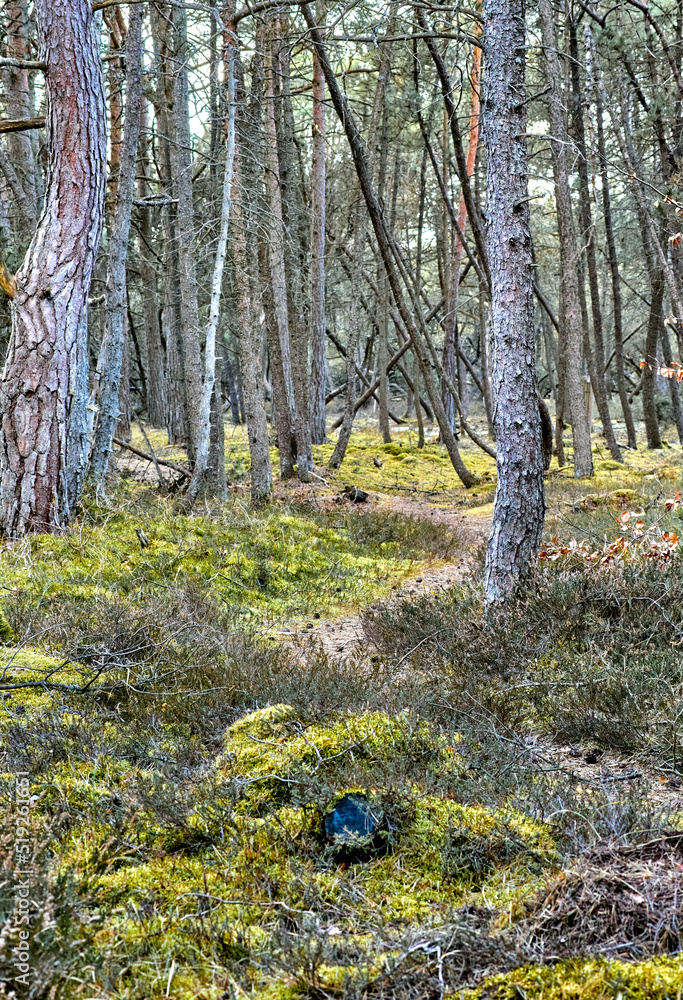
column 580, row 979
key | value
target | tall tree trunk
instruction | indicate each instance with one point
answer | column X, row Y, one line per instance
column 109, row 365
column 317, row 267
column 519, row 505
column 451, row 363
column 613, row 265
column 43, row 390
column 654, row 324
column 176, row 414
column 571, row 327
column 588, row 237
column 292, row 213
column 156, row 368
column 274, row 280
column 182, row 166
column 244, row 255
column 202, row 444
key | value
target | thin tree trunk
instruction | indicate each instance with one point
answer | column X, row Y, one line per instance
column 156, row 377
column 359, row 242
column 202, row 444
column 359, row 236
column 182, row 166
column 588, row 237
column 176, row 414
column 123, row 429
column 244, row 255
column 519, row 505
column 571, row 326
column 292, row 212
column 452, row 367
column 317, row 268
column 43, row 390
column 274, row 282
column 649, row 371
column 109, row 365
column 614, row 267
column 216, row 482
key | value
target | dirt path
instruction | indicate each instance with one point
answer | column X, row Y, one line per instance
column 343, row 637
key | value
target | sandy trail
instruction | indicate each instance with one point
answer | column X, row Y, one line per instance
column 343, row 636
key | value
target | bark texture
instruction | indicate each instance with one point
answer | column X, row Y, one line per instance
column 43, row 390
column 109, row 367
column 519, row 506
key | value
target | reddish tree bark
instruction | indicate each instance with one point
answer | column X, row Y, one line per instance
column 43, row 390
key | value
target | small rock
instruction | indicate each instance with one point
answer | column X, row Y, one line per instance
column 352, row 822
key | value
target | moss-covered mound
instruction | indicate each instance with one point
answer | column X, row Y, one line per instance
column 228, row 877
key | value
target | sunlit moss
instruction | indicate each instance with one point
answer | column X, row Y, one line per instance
column 261, row 566
column 587, row 979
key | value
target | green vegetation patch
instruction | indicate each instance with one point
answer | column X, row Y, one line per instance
column 260, row 566
column 230, row 877
column 593, row 979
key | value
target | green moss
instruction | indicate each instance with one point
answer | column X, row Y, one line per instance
column 582, row 979
column 260, row 566
column 7, row 634
column 203, row 879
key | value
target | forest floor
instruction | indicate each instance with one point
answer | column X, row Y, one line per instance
column 201, row 700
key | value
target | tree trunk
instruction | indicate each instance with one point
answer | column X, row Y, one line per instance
column 614, row 267
column 519, row 505
column 156, row 377
column 176, row 413
column 292, row 214
column 451, row 362
column 359, row 236
column 244, row 255
column 588, row 237
column 109, row 365
column 203, row 442
column 123, row 428
column 216, row 483
column 654, row 324
column 317, row 273
column 274, row 282
column 43, row 391
column 571, row 326
column 182, row 167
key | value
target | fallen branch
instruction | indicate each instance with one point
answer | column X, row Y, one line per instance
column 148, row 458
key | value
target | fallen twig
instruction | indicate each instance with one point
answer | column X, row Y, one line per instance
column 148, row 458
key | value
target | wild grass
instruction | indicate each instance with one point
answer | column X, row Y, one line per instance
column 182, row 760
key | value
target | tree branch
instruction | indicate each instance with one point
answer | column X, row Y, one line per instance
column 148, row 458
column 21, row 124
